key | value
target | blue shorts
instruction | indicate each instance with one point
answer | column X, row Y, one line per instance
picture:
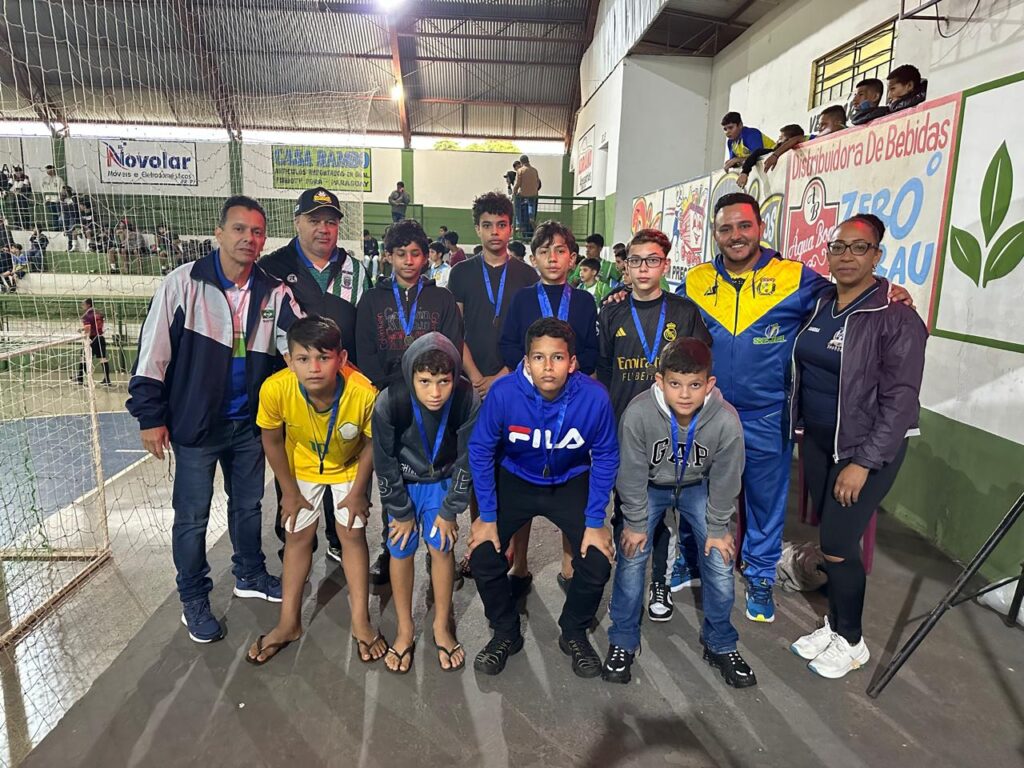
column 426, row 500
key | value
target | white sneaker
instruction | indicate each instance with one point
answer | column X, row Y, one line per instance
column 809, row 646
column 839, row 658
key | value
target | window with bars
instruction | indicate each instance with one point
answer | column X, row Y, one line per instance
column 836, row 73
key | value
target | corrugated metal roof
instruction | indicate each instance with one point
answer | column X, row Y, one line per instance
column 134, row 61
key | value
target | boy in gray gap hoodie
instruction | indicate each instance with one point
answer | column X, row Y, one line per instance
column 421, row 429
column 681, row 446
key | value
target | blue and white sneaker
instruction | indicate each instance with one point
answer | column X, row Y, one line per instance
column 264, row 586
column 760, row 605
column 683, row 578
column 202, row 626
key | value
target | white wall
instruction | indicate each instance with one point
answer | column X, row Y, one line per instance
column 603, row 111
column 453, row 179
column 620, row 25
column 664, row 105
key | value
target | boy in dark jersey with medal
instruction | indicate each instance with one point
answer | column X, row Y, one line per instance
column 326, row 405
column 632, row 335
column 392, row 315
column 421, row 432
column 544, row 444
column 681, row 448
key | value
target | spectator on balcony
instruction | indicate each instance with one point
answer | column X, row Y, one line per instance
column 6, row 238
column 906, row 88
column 526, row 189
column 8, row 280
column 68, row 216
column 791, row 132
column 741, row 141
column 50, row 187
column 127, row 249
column 20, row 261
column 399, row 200
column 38, row 244
column 21, row 198
column 867, row 97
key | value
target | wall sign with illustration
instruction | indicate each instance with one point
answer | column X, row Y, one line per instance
column 585, row 161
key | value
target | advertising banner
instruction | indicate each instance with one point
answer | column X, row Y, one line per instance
column 897, row 168
column 684, row 220
column 585, row 161
column 647, row 212
column 339, row 169
column 127, row 161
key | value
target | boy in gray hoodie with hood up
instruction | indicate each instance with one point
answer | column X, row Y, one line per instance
column 681, row 446
column 421, row 428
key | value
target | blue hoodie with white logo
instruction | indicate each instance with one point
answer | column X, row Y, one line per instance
column 515, row 428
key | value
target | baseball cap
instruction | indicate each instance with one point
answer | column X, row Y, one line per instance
column 316, row 198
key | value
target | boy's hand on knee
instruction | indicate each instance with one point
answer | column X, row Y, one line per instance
column 481, row 532
column 600, row 539
column 401, row 530
column 291, row 503
column 448, row 531
column 725, row 545
column 358, row 506
column 632, row 542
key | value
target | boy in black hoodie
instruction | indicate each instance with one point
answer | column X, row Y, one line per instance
column 393, row 314
column 422, row 426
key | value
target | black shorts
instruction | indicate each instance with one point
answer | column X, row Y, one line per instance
column 99, row 347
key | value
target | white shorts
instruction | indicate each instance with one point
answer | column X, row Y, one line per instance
column 314, row 494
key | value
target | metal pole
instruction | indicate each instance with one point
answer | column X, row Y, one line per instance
column 97, row 457
column 946, row 603
column 1018, row 597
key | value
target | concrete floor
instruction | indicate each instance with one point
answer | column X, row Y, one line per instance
column 165, row 701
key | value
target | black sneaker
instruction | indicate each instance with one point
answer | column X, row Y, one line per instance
column 491, row 660
column 380, row 569
column 617, row 665
column 563, row 583
column 334, row 553
column 734, row 669
column 585, row 661
column 659, row 602
column 521, row 586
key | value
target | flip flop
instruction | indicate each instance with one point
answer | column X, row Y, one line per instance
column 261, row 649
column 410, row 652
column 448, row 652
column 361, row 644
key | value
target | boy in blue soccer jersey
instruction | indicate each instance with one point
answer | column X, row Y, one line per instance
column 544, row 445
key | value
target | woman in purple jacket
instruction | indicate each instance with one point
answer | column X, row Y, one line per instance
column 857, row 369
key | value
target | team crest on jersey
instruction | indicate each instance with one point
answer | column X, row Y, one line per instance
column 292, row 279
column 836, row 343
column 571, row 440
column 348, row 431
column 712, row 290
column 670, row 332
column 766, row 286
column 621, row 333
column 346, row 281
column 268, row 313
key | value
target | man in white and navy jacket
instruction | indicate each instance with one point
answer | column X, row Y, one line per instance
column 214, row 331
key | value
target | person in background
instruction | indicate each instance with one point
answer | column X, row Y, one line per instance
column 786, row 133
column 867, row 97
column 19, row 260
column 478, row 249
column 50, row 187
column 21, row 198
column 8, row 280
column 168, row 248
column 526, row 190
column 517, row 249
column 831, row 120
column 510, row 177
column 399, row 200
column 68, row 218
column 906, row 88
column 857, row 368
column 441, row 232
column 437, row 269
column 741, row 141
column 590, row 269
column 92, row 324
column 455, row 254
column 38, row 243
column 6, row 238
column 615, row 278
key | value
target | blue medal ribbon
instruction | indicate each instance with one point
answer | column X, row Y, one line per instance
column 681, row 462
column 650, row 351
column 331, row 422
column 409, row 322
column 439, row 437
column 545, row 305
column 490, row 291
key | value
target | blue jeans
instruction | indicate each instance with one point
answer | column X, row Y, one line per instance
column 396, row 216
column 240, row 454
column 527, row 213
column 718, row 585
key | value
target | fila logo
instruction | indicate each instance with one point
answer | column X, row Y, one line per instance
column 572, row 440
column 621, row 333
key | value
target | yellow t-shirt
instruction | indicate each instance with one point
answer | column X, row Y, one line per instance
column 281, row 402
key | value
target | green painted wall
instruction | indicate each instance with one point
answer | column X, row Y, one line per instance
column 955, row 486
column 609, row 218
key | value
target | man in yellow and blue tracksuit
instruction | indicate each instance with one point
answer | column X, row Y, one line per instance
column 754, row 302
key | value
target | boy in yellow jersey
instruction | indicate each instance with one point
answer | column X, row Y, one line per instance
column 316, row 418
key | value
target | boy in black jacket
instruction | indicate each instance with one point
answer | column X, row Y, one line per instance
column 422, row 425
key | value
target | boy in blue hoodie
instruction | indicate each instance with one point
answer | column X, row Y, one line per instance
column 544, row 445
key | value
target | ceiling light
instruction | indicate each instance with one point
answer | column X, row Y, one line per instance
column 396, row 92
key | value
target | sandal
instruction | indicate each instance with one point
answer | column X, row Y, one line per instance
column 410, row 652
column 261, row 649
column 364, row 646
column 448, row 652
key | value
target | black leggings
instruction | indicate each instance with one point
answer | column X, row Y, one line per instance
column 841, row 528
